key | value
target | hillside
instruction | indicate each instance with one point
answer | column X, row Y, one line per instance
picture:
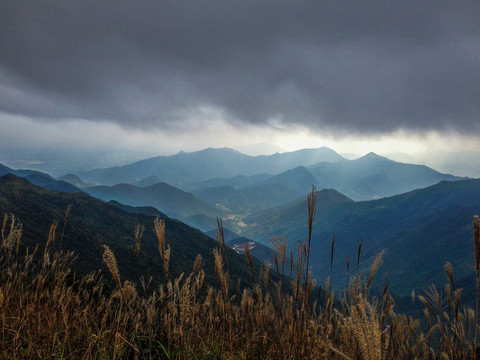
column 148, row 181
column 166, row 198
column 92, row 223
column 419, row 231
column 277, row 221
column 248, row 199
column 236, row 182
column 298, row 179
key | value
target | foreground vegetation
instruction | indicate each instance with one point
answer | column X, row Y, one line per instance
column 49, row 312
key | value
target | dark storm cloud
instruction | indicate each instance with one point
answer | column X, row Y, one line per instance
column 372, row 66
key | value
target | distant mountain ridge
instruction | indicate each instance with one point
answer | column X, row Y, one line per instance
column 184, row 168
column 373, row 176
column 369, row 177
column 41, row 179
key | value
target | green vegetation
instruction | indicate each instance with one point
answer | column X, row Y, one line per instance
column 48, row 311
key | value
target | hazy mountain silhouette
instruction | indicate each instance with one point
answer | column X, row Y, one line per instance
column 373, row 176
column 148, row 181
column 369, row 177
column 298, row 179
column 40, row 179
column 184, row 168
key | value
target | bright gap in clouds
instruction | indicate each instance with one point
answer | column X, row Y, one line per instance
column 63, row 146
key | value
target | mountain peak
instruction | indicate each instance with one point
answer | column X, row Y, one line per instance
column 372, row 156
column 332, row 195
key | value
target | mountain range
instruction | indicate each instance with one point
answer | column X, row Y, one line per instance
column 419, row 217
column 373, row 176
column 184, row 168
column 198, row 187
column 369, row 177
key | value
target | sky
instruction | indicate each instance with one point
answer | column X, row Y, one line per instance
column 98, row 83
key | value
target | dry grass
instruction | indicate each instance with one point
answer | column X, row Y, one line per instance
column 48, row 312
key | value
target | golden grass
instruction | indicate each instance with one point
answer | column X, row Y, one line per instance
column 48, row 312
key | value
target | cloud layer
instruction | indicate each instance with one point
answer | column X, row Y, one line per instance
column 339, row 66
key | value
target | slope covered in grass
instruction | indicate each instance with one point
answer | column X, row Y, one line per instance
column 93, row 223
column 49, row 312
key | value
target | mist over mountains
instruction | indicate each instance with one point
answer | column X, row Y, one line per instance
column 368, row 177
column 184, row 168
column 396, row 207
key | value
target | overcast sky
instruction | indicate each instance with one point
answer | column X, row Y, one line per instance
column 140, row 78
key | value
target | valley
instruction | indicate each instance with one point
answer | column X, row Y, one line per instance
column 418, row 217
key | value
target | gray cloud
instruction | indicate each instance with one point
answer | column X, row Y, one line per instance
column 369, row 67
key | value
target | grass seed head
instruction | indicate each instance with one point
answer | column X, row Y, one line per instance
column 111, row 262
